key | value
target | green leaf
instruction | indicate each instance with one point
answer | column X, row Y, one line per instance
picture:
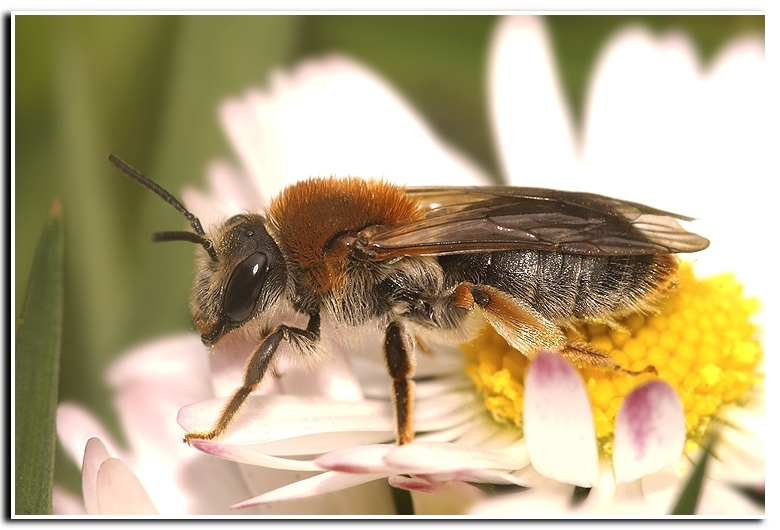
column 38, row 340
column 689, row 498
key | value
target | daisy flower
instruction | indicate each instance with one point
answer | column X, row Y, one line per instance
column 624, row 438
column 486, row 420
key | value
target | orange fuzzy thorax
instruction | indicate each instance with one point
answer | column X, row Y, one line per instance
column 311, row 215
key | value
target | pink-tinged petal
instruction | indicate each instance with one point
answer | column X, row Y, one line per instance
column 361, row 459
column 334, row 116
column 95, row 454
column 438, row 497
column 329, row 481
column 649, row 431
column 558, row 422
column 119, row 492
column 414, row 484
column 533, row 129
column 295, row 425
column 447, row 457
column 245, row 455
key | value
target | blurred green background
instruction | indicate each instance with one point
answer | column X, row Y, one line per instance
column 147, row 89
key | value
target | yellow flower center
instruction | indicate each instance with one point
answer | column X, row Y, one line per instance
column 701, row 342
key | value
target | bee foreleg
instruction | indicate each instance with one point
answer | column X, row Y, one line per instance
column 400, row 366
column 255, row 369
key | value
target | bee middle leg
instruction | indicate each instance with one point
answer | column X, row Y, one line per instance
column 526, row 330
column 400, row 366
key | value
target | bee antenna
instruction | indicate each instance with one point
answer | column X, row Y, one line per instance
column 199, row 236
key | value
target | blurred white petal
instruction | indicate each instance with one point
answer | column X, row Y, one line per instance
column 119, row 492
column 533, row 130
column 95, row 454
column 334, row 116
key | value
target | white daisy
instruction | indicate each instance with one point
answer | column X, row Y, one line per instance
column 457, row 440
column 336, row 117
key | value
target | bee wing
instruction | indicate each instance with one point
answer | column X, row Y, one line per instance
column 461, row 220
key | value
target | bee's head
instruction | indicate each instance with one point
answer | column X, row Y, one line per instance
column 241, row 273
column 245, row 276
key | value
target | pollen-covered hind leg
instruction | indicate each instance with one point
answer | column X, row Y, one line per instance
column 528, row 331
column 520, row 325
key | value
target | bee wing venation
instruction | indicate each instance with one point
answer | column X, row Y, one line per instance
column 461, row 220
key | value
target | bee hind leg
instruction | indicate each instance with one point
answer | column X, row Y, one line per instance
column 526, row 330
column 585, row 354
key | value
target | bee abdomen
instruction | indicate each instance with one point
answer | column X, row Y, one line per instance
column 567, row 287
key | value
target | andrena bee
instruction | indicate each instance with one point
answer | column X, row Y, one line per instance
column 424, row 264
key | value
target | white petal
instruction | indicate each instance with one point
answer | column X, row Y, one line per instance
column 119, row 492
column 246, row 455
column 293, row 425
column 533, row 128
column 95, row 454
column 331, row 378
column 233, row 189
column 334, row 116
column 649, row 431
column 75, row 426
column 164, row 361
column 641, row 120
column 446, row 457
column 558, row 422
column 445, row 411
column 661, row 130
column 323, row 483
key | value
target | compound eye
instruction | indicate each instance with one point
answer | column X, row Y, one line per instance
column 244, row 287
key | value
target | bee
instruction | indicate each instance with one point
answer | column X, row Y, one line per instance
column 424, row 264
